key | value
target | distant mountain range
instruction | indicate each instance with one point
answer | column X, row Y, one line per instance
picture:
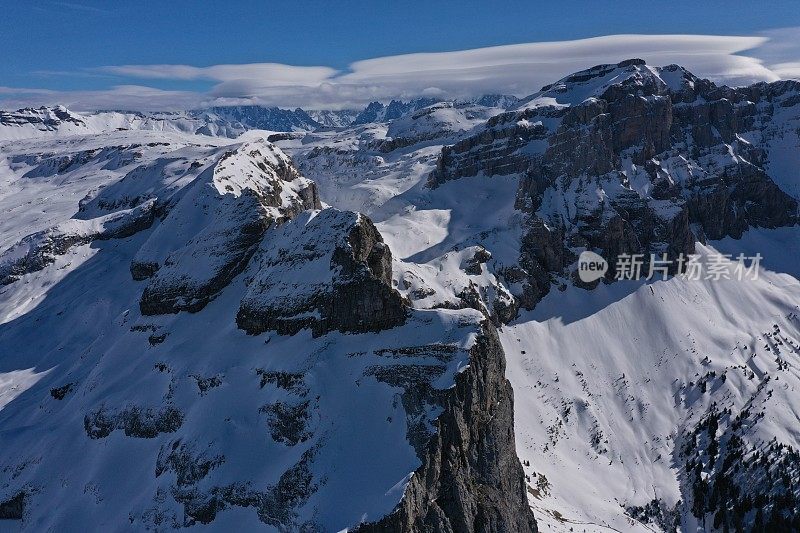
column 228, row 121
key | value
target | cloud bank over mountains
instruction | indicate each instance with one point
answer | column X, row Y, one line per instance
column 518, row 69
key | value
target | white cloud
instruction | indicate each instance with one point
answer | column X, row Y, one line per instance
column 121, row 97
column 262, row 74
column 522, row 69
column 519, row 69
column 781, row 51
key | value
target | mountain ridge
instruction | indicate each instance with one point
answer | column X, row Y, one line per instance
column 228, row 121
column 378, row 340
column 236, row 240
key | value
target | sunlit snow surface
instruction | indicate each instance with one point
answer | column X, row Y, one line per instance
column 605, row 381
column 603, row 384
column 75, row 326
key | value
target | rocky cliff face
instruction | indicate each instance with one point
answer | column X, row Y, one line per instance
column 228, row 353
column 470, row 479
column 325, row 272
column 630, row 159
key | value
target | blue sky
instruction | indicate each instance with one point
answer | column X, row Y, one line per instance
column 54, row 50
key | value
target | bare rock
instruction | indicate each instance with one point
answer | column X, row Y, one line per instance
column 214, row 228
column 325, row 272
column 471, row 479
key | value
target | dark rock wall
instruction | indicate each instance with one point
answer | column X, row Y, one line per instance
column 580, row 148
column 470, row 479
column 360, row 297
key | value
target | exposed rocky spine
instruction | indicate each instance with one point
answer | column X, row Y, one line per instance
column 470, row 479
column 615, row 159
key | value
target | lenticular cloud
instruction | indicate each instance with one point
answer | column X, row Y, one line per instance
column 518, row 69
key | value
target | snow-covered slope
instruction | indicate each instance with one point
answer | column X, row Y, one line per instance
column 611, row 386
column 181, row 419
column 220, row 353
column 613, row 406
column 277, row 365
column 364, row 166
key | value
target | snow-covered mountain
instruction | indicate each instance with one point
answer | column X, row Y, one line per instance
column 612, row 378
column 382, row 112
column 505, row 101
column 324, row 334
column 216, row 121
column 224, row 353
column 253, row 117
column 30, row 122
column 333, row 119
column 227, row 121
column 59, row 121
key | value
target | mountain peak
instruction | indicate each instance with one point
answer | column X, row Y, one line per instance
column 594, row 82
column 380, row 112
column 633, row 61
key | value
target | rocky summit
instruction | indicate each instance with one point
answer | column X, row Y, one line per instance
column 631, row 159
column 307, row 353
column 252, row 318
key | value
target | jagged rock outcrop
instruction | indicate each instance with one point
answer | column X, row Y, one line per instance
column 630, row 159
column 505, row 101
column 489, row 151
column 333, row 118
column 246, row 117
column 459, row 280
column 228, row 208
column 143, row 423
column 324, row 271
column 189, row 465
column 380, row 112
column 471, row 479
